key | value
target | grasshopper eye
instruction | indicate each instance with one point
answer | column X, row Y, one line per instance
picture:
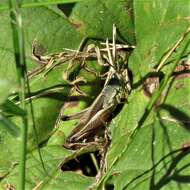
column 114, row 80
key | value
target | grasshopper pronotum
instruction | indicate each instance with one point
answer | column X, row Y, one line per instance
column 116, row 88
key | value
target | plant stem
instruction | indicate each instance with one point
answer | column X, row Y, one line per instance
column 18, row 43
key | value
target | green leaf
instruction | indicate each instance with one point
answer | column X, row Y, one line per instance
column 37, row 3
column 159, row 25
column 10, row 107
column 154, row 157
column 98, row 23
column 68, row 181
column 9, row 126
column 158, row 144
column 6, row 88
column 53, row 176
column 46, row 109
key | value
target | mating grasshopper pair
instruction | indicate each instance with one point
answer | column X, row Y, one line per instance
column 116, row 89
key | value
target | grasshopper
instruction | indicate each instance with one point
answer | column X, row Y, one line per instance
column 116, row 89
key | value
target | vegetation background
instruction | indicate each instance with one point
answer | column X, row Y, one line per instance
column 156, row 156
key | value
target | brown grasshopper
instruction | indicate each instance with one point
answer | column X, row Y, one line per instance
column 116, row 89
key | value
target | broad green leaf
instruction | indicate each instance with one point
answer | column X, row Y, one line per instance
column 36, row 3
column 42, row 31
column 46, row 109
column 158, row 26
column 9, row 151
column 9, row 126
column 6, row 88
column 51, row 31
column 11, row 108
column 97, row 22
column 153, row 157
column 52, row 177
column 158, row 144
column 68, row 181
